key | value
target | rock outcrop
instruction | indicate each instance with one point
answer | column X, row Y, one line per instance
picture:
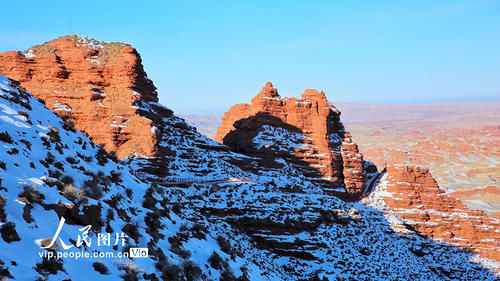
column 305, row 131
column 411, row 193
column 102, row 87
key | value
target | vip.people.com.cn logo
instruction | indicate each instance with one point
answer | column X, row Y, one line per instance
column 103, row 240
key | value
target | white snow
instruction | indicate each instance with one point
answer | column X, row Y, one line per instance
column 29, row 54
column 61, row 107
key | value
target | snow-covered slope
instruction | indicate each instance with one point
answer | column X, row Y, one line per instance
column 48, row 170
column 244, row 226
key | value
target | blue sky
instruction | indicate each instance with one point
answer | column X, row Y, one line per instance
column 205, row 56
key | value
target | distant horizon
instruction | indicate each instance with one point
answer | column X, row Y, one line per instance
column 209, row 112
column 221, row 53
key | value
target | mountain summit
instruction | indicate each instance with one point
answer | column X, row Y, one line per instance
column 102, row 87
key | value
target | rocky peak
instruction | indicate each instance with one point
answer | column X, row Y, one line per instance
column 267, row 92
column 313, row 94
column 101, row 87
column 305, row 131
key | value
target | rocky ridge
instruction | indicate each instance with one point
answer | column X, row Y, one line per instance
column 411, row 193
column 306, row 132
column 50, row 171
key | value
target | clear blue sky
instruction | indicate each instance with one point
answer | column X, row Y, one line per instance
column 205, row 56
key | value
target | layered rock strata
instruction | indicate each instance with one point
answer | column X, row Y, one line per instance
column 101, row 87
column 305, row 131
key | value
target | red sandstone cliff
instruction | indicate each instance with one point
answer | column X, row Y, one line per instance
column 100, row 86
column 305, row 131
column 411, row 193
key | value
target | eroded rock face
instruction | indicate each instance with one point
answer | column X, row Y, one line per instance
column 411, row 193
column 305, row 131
column 101, row 86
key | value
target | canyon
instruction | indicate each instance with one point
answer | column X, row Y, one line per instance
column 282, row 193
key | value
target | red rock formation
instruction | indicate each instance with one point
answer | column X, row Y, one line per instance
column 305, row 131
column 412, row 194
column 100, row 85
